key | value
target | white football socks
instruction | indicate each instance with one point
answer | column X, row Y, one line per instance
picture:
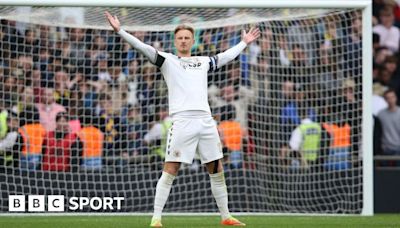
column 218, row 188
column 163, row 189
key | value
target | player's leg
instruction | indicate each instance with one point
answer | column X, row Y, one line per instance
column 211, row 154
column 163, row 189
column 220, row 192
column 181, row 146
column 218, row 186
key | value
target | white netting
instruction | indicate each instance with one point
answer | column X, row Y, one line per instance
column 156, row 19
column 306, row 64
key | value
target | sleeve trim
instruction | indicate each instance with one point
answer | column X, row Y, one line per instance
column 213, row 63
column 159, row 60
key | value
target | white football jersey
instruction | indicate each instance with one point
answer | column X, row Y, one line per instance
column 186, row 78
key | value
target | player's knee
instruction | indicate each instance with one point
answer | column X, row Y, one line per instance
column 171, row 171
column 214, row 167
column 172, row 168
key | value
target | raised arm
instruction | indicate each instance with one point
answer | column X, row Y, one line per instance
column 147, row 50
column 230, row 54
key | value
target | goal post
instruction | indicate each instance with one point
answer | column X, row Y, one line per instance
column 368, row 160
column 269, row 184
column 361, row 4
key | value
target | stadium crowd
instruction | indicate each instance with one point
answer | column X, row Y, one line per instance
column 82, row 99
column 386, row 79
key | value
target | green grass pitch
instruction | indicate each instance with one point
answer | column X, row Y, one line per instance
column 386, row 220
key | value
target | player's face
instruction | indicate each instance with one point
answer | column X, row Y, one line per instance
column 184, row 41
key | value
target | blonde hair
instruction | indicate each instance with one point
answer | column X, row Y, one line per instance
column 184, row 27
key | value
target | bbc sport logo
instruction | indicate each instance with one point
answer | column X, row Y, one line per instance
column 56, row 203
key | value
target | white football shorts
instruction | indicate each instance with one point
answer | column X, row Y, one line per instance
column 191, row 132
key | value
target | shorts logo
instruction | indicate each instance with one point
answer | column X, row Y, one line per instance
column 177, row 153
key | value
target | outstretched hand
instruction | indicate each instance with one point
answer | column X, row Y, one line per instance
column 252, row 35
column 113, row 20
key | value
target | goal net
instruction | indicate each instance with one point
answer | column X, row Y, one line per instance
column 85, row 115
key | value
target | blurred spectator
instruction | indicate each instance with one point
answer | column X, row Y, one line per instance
column 158, row 134
column 48, row 109
column 290, row 117
column 389, row 119
column 305, row 143
column 46, row 38
column 61, row 53
column 232, row 91
column 228, row 95
column 299, row 66
column 44, row 59
column 115, row 72
column 36, row 84
column 62, row 88
column 3, row 120
column 388, row 33
column 284, row 52
column 353, row 48
column 9, row 91
column 132, row 82
column 391, row 65
column 89, row 93
column 350, row 109
column 30, row 141
column 233, row 136
column 98, row 48
column 375, row 42
column 78, row 78
column 92, row 142
column 260, row 60
column 26, row 101
column 350, row 103
column 7, row 157
column 254, row 53
column 380, row 84
column 207, row 46
column 260, row 81
column 299, row 70
column 287, row 92
column 25, row 64
column 77, row 47
column 329, row 78
column 304, row 32
column 150, row 92
column 338, row 157
column 136, row 130
column 378, row 104
column 117, row 87
column 102, row 68
column 75, row 109
column 62, row 149
column 223, row 43
column 29, row 44
column 233, row 35
column 377, row 6
column 332, row 33
column 114, row 130
column 381, row 54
